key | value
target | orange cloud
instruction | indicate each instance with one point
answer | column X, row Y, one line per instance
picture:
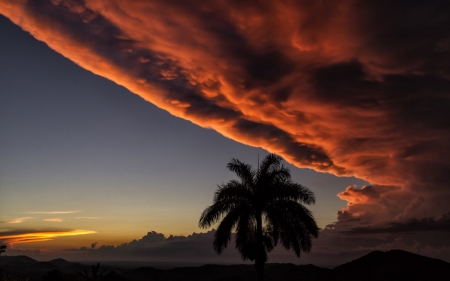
column 54, row 220
column 37, row 236
column 349, row 88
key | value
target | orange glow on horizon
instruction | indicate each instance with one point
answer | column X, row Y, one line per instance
column 41, row 236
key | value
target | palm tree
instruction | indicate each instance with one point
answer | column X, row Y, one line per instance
column 262, row 207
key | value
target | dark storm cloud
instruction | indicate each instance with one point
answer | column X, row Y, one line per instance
column 414, row 225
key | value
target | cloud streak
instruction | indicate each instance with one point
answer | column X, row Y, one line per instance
column 350, row 88
column 54, row 212
column 17, row 220
column 53, row 220
column 29, row 236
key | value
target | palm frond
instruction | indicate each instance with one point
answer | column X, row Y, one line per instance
column 232, row 190
column 271, row 160
column 242, row 170
column 293, row 224
column 245, row 228
column 287, row 190
column 279, row 173
column 272, row 230
column 245, row 236
column 268, row 242
column 223, row 233
column 248, row 247
column 292, row 213
column 214, row 212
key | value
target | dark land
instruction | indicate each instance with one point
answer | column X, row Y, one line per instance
column 386, row 266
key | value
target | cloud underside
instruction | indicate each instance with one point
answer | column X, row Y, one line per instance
column 349, row 88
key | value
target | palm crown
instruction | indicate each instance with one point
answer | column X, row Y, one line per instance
column 263, row 207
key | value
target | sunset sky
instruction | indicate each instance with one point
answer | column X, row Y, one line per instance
column 117, row 120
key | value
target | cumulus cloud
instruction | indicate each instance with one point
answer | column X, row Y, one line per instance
column 332, row 248
column 154, row 246
column 350, row 88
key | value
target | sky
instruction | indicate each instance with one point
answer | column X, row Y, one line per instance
column 117, row 120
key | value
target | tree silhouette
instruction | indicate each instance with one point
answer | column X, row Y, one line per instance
column 2, row 249
column 263, row 207
column 95, row 275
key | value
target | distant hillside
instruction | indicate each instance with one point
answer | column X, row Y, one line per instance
column 391, row 265
column 21, row 259
column 29, row 269
column 384, row 266
column 60, row 262
column 286, row 272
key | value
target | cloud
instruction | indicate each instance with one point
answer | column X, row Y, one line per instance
column 353, row 237
column 28, row 236
column 17, row 220
column 349, row 88
column 332, row 248
column 410, row 226
column 54, row 212
column 154, row 246
column 54, row 220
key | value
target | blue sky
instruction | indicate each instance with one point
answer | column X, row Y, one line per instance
column 74, row 141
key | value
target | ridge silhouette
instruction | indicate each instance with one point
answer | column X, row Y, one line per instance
column 376, row 266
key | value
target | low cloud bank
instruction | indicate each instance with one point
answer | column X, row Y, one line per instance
column 336, row 244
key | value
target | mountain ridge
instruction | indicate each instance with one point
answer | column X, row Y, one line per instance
column 377, row 265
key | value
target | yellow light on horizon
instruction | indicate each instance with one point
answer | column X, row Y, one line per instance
column 41, row 236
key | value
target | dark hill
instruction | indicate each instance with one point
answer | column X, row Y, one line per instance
column 391, row 265
column 44, row 266
column 211, row 272
column 386, row 266
column 16, row 259
column 61, row 262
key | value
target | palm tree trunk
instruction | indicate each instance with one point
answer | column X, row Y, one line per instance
column 259, row 260
column 259, row 271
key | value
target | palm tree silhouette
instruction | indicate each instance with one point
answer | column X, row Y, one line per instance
column 263, row 207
